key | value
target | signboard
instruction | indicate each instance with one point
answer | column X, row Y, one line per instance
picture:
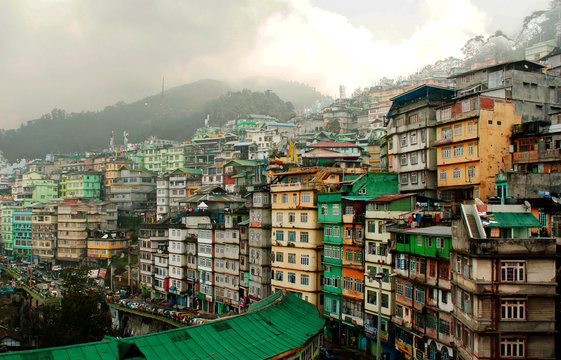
column 102, row 273
column 403, row 347
column 92, row 274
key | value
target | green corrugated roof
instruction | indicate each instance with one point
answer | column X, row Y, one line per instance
column 272, row 326
column 509, row 220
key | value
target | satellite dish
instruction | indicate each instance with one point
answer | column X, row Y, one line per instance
column 527, row 205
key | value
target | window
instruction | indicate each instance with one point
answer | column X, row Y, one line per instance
column 457, row 129
column 305, row 259
column 292, row 236
column 371, row 248
column 280, row 235
column 457, row 173
column 470, row 149
column 458, row 150
column 413, row 137
column 305, row 279
column 336, row 231
column 349, row 254
column 280, row 256
column 404, row 140
column 513, row 309
column 371, row 226
column 371, row 297
column 466, row 106
column 420, row 295
column 444, row 327
column 404, row 179
column 306, row 198
column 336, row 281
column 446, row 152
column 443, row 174
column 294, row 198
column 291, row 217
column 513, row 271
column 446, row 132
column 323, row 209
column 347, row 283
column 471, row 171
column 409, row 291
column 512, row 347
column 278, row 275
column 404, row 159
column 470, row 127
column 399, row 311
column 279, row 217
column 284, row 198
column 349, row 233
column 328, row 231
column 383, row 249
column 304, row 237
column 359, row 285
column 291, row 277
column 292, row 258
column 358, row 256
column 444, row 114
column 336, row 209
column 414, row 158
column 304, row 217
column 413, row 118
column 414, row 179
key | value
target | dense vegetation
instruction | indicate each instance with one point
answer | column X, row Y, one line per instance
column 174, row 115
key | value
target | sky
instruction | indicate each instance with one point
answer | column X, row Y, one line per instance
column 82, row 55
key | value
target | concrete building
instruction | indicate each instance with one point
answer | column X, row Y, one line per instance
column 503, row 285
column 83, row 185
column 472, row 143
column 259, row 244
column 411, row 135
column 72, row 232
column 21, row 228
column 174, row 186
column 523, row 82
column 134, row 190
column 44, row 228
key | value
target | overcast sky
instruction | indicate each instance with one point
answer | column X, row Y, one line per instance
column 84, row 55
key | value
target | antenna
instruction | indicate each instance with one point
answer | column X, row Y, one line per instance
column 163, row 86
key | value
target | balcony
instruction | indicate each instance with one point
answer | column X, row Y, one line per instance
column 537, row 156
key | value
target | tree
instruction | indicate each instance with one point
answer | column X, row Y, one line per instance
column 333, row 126
column 82, row 315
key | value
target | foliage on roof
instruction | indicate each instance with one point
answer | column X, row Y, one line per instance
column 271, row 327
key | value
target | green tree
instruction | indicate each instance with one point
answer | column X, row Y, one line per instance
column 82, row 315
column 333, row 126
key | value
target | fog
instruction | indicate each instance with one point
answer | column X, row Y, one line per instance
column 84, row 55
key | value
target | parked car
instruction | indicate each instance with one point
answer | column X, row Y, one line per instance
column 327, row 354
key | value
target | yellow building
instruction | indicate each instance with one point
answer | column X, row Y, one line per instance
column 473, row 138
column 106, row 246
column 297, row 237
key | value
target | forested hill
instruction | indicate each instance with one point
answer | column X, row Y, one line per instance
column 174, row 115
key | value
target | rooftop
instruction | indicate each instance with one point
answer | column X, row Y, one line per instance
column 271, row 327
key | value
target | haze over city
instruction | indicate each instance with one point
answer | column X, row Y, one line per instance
column 86, row 55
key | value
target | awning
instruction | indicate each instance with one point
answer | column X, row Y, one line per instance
column 509, row 220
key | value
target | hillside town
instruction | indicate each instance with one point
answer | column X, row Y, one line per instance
column 420, row 218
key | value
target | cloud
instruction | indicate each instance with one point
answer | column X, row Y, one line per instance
column 325, row 48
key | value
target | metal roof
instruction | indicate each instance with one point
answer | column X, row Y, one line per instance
column 389, row 197
column 271, row 327
column 429, row 91
column 510, row 220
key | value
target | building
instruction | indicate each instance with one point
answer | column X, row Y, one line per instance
column 72, row 232
column 472, row 143
column 21, row 228
column 174, row 186
column 423, row 302
column 8, row 210
column 83, row 185
column 411, row 135
column 134, row 190
column 44, row 229
column 503, row 285
column 537, row 147
column 259, row 254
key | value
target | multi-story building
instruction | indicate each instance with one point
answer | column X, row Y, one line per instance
column 44, row 228
column 534, row 94
column 22, row 232
column 103, row 245
column 153, row 241
column 423, row 305
column 72, row 231
column 174, row 186
column 503, row 285
column 381, row 213
column 7, row 226
column 411, row 134
column 86, row 185
column 473, row 138
column 111, row 173
column 297, row 236
column 537, row 146
column 134, row 190
column 260, row 245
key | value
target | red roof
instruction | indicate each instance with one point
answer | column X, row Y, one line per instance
column 389, row 197
column 333, row 144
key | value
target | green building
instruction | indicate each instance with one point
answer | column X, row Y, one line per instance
column 85, row 184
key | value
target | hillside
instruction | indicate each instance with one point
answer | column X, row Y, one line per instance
column 175, row 115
